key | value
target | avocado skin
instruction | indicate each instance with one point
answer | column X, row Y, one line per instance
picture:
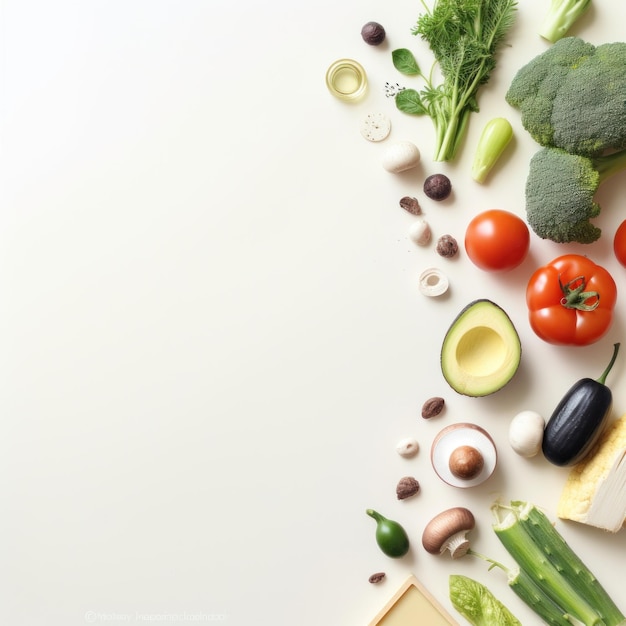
column 577, row 422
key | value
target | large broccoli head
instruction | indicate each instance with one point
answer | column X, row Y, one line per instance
column 572, row 96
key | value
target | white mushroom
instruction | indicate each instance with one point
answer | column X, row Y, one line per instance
column 526, row 433
column 463, row 455
column 447, row 531
column 401, row 156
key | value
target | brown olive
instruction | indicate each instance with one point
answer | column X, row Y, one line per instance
column 437, row 187
column 373, row 33
column 466, row 462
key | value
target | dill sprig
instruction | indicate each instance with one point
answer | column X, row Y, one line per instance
column 464, row 36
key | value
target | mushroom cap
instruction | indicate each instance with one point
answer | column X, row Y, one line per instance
column 526, row 433
column 444, row 526
column 456, row 436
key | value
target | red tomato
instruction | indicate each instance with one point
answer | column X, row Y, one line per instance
column 619, row 243
column 571, row 300
column 497, row 240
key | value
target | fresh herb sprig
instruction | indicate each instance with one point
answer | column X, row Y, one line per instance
column 464, row 36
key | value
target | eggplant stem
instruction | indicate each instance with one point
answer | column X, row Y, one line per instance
column 604, row 374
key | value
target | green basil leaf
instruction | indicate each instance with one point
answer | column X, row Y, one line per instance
column 404, row 61
column 409, row 101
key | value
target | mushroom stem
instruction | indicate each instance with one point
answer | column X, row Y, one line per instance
column 458, row 544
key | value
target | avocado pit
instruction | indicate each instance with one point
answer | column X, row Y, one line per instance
column 466, row 462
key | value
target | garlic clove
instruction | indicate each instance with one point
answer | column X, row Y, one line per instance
column 420, row 232
column 407, row 447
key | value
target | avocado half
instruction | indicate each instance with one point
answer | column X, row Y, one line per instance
column 481, row 350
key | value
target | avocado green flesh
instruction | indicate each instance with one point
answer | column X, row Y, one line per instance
column 481, row 350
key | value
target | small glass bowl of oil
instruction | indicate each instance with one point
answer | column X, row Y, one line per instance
column 346, row 79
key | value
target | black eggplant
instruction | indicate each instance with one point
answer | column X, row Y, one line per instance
column 579, row 419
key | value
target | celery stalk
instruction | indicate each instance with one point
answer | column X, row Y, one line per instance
column 531, row 593
column 569, row 564
column 528, row 591
column 535, row 563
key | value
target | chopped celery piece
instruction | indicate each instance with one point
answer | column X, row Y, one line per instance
column 495, row 137
column 560, row 16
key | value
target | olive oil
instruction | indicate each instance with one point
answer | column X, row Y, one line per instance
column 346, row 79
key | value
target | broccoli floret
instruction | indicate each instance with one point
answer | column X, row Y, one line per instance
column 572, row 96
column 559, row 193
column 560, row 16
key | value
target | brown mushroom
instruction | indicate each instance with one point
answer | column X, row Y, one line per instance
column 447, row 531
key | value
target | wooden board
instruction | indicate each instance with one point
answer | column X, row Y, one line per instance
column 412, row 604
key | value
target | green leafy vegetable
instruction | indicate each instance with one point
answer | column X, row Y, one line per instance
column 477, row 604
column 404, row 61
column 409, row 101
column 464, row 36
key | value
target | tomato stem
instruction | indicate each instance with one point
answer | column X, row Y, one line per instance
column 575, row 296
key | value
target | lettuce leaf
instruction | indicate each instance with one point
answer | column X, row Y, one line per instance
column 477, row 604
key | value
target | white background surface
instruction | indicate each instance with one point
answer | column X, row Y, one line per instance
column 211, row 332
